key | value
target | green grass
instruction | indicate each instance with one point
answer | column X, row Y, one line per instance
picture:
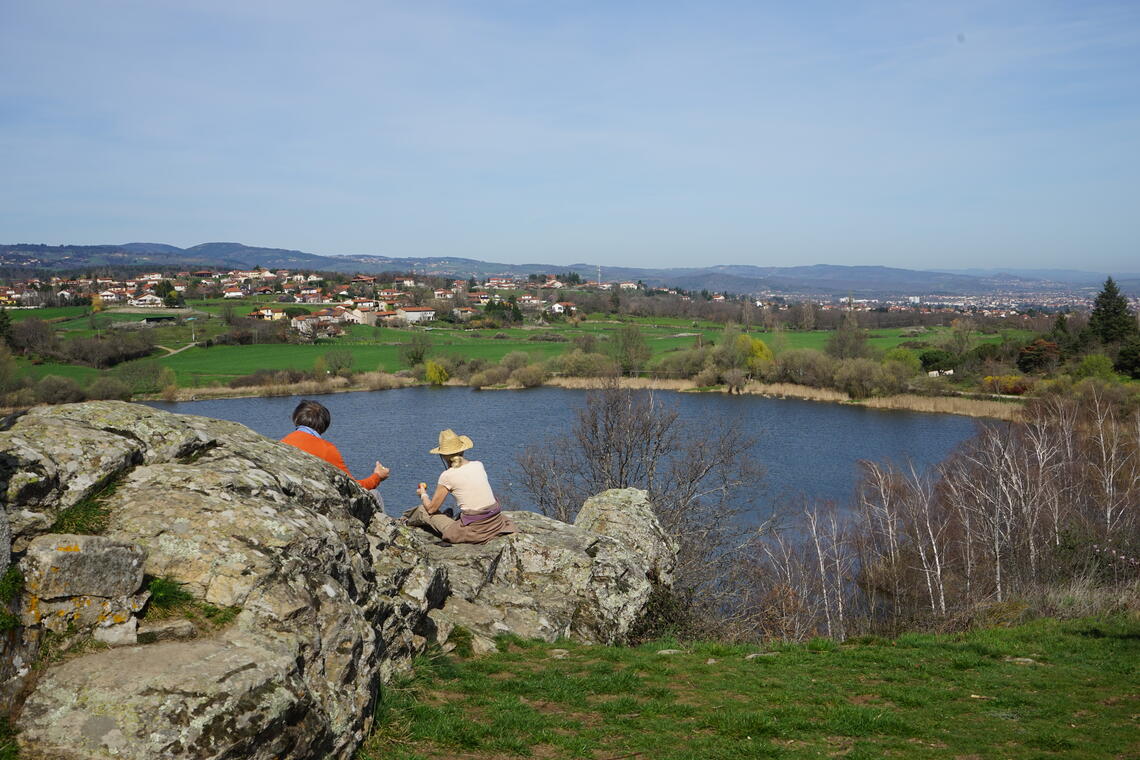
column 9, row 750
column 88, row 516
column 921, row 696
column 167, row 593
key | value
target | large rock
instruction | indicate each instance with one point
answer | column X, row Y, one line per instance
column 330, row 598
column 626, row 515
column 551, row 580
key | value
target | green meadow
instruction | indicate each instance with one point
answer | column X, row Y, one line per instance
column 379, row 347
column 1047, row 689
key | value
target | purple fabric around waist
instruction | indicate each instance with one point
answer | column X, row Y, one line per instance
column 466, row 518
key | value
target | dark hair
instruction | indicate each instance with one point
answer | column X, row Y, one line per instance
column 312, row 414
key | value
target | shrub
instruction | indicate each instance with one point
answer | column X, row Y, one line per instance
column 579, row 364
column 339, row 361
column 908, row 363
column 858, row 378
column 529, row 376
column 263, row 377
column 682, row 363
column 805, row 366
column 490, row 376
column 109, row 388
column 552, row 337
column 515, row 360
column 1010, row 385
column 1095, row 365
column 434, row 373
column 58, row 390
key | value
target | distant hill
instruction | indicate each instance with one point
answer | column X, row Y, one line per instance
column 820, row 279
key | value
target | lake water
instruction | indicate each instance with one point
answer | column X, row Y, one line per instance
column 808, row 449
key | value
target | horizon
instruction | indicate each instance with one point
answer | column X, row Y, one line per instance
column 645, row 136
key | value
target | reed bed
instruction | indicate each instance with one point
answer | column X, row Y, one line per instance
column 966, row 407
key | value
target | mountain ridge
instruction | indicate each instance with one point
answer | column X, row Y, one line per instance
column 863, row 281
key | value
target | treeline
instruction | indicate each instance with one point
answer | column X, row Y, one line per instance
column 1040, row 514
column 37, row 339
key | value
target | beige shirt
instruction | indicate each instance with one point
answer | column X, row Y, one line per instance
column 469, row 485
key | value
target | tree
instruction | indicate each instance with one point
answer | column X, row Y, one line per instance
column 435, row 373
column 415, row 349
column 695, row 474
column 850, row 341
column 1128, row 360
column 1111, row 320
column 1039, row 356
column 629, row 348
column 5, row 327
column 339, row 361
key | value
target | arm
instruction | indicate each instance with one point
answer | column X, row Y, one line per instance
column 432, row 506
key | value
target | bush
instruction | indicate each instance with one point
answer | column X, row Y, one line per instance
column 1095, row 365
column 434, row 373
column 58, row 390
column 264, row 377
column 490, row 376
column 1010, row 385
column 682, row 363
column 805, row 366
column 109, row 388
column 515, row 360
column 552, row 337
column 858, row 378
column 579, row 364
column 530, row 376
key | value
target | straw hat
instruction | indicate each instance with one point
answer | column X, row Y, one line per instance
column 450, row 443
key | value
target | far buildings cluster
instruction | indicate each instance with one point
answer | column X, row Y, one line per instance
column 364, row 299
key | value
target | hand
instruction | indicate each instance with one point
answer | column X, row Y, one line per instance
column 381, row 470
column 422, row 489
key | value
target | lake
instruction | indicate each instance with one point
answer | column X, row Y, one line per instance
column 808, row 449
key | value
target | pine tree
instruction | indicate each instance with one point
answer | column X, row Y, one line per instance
column 1111, row 320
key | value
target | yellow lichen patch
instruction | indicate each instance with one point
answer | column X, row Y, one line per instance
column 68, row 548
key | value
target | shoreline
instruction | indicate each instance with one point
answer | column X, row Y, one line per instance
column 1008, row 410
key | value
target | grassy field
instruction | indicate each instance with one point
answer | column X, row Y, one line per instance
column 1047, row 689
column 374, row 347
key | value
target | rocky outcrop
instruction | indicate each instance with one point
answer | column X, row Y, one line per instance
column 327, row 597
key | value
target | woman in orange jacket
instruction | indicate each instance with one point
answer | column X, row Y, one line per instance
column 312, row 420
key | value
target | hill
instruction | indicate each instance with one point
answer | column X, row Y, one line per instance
column 820, row 279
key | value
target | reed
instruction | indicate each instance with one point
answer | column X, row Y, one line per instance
column 966, row 407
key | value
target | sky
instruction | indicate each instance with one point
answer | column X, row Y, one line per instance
column 655, row 134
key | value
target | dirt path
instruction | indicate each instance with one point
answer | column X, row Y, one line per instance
column 172, row 351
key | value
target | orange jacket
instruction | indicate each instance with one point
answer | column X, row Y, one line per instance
column 321, row 448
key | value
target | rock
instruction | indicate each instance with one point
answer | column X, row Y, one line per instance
column 242, row 522
column 151, row 632
column 670, row 651
column 1021, row 660
column 236, row 698
column 550, row 580
column 626, row 515
column 711, row 661
column 59, row 566
column 326, row 597
column 559, row 654
column 119, row 634
column 754, row 655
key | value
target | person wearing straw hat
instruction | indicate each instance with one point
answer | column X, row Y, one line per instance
column 480, row 516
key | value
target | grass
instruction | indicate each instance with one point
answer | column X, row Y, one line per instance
column 9, row 750
column 920, row 696
column 11, row 585
column 168, row 599
column 88, row 516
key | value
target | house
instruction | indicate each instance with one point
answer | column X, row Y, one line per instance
column 528, row 301
column 413, row 314
column 628, row 286
column 268, row 313
column 562, row 307
column 149, row 300
column 443, row 294
column 464, row 313
column 233, row 292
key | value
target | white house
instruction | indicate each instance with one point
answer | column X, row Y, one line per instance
column 413, row 314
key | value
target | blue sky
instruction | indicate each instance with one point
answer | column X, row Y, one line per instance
column 915, row 134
